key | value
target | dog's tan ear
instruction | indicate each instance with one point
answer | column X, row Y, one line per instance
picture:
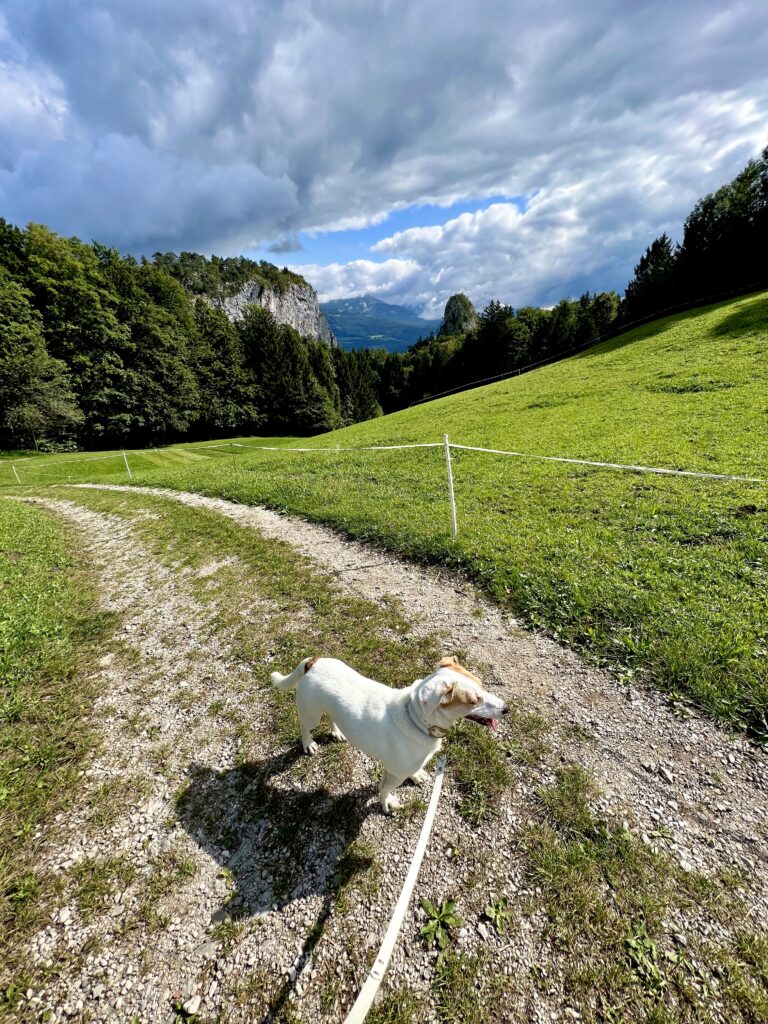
column 448, row 661
column 447, row 694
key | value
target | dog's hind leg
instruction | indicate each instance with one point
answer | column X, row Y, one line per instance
column 337, row 733
column 389, row 782
column 310, row 714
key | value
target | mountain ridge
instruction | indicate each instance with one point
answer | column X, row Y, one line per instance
column 366, row 321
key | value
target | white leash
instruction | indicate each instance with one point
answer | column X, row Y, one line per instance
column 359, row 1011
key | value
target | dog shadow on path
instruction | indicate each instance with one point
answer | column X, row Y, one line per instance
column 276, row 841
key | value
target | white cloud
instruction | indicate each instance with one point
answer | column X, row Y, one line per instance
column 361, row 277
column 220, row 125
column 148, row 200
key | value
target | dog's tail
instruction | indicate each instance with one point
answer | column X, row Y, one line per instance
column 288, row 682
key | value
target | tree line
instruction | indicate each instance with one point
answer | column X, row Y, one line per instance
column 723, row 249
column 99, row 349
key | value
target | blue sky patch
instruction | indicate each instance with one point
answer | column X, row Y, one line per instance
column 356, row 244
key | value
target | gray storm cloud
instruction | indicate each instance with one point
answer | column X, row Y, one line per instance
column 222, row 126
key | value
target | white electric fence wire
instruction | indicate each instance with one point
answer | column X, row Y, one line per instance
column 189, row 448
column 614, row 465
column 60, row 462
column 368, row 448
column 359, row 1011
column 431, row 444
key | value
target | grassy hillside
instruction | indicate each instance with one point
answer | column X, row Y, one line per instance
column 662, row 577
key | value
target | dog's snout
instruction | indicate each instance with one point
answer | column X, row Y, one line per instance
column 505, row 709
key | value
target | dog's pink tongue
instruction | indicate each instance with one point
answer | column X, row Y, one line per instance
column 494, row 722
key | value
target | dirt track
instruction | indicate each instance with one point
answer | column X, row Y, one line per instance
column 655, row 768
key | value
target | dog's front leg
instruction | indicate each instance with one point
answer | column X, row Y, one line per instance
column 389, row 782
column 421, row 776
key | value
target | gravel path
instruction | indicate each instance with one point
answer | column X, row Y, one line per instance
column 709, row 787
column 655, row 768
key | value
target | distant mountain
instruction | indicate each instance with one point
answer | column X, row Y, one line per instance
column 367, row 322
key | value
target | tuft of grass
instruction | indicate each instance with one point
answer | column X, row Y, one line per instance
column 743, row 972
column 479, row 769
column 456, row 987
column 356, row 870
column 96, row 881
column 108, row 800
column 526, row 745
column 607, row 903
column 169, row 871
column 400, row 1007
column 50, row 630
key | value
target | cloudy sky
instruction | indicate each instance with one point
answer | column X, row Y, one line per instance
column 408, row 149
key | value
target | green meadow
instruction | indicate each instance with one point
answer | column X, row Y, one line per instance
column 662, row 578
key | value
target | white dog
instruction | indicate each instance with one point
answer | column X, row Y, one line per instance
column 400, row 728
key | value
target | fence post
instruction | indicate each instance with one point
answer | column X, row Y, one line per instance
column 127, row 467
column 15, row 473
column 454, row 529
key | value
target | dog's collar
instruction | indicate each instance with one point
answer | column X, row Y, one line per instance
column 433, row 731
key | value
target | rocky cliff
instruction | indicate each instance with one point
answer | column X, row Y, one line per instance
column 233, row 282
column 295, row 304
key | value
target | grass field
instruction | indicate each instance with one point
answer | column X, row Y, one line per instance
column 49, row 625
column 663, row 578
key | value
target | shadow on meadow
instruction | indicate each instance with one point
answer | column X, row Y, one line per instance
column 278, row 843
column 744, row 319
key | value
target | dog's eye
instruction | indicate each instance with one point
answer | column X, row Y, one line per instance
column 475, row 700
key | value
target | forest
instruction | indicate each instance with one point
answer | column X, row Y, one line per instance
column 99, row 349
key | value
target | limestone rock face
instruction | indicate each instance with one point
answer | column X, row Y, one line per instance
column 297, row 306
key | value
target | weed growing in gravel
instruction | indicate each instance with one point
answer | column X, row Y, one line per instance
column 440, row 921
column 498, row 913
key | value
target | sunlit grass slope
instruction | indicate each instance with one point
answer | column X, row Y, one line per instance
column 662, row 577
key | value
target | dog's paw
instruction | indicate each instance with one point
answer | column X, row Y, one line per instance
column 311, row 748
column 420, row 777
column 391, row 804
column 338, row 734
